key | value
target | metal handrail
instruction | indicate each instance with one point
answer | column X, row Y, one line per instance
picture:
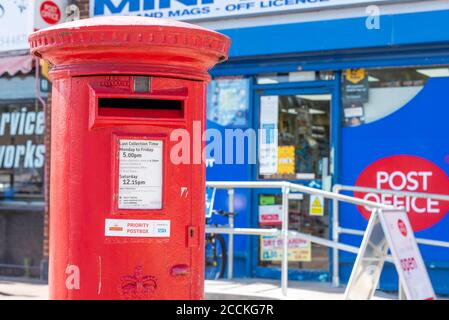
column 337, row 229
column 335, row 195
column 286, row 188
column 294, row 187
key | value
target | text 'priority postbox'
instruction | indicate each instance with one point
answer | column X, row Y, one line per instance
column 125, row 221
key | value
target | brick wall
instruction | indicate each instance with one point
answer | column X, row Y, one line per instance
column 83, row 5
column 2, row 236
column 20, row 241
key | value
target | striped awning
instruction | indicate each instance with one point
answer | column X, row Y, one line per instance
column 15, row 64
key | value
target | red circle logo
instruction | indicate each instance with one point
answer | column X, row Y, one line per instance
column 402, row 228
column 50, row 12
column 406, row 173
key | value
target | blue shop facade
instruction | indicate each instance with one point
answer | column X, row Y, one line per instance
column 358, row 92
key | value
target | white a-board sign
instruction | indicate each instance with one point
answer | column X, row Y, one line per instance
column 389, row 230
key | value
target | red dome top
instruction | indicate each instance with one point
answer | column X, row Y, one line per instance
column 102, row 44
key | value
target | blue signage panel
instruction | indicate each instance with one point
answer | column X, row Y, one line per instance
column 208, row 9
column 406, row 150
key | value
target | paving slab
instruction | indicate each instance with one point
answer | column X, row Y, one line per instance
column 22, row 289
column 240, row 289
column 257, row 289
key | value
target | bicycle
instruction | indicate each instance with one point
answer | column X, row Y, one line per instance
column 215, row 251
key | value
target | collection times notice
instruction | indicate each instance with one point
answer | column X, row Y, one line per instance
column 140, row 174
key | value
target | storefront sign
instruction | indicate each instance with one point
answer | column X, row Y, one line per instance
column 16, row 23
column 19, row 135
column 206, row 9
column 268, row 135
column 22, row 149
column 389, row 230
column 407, row 173
column 299, row 249
column 49, row 12
column 403, row 150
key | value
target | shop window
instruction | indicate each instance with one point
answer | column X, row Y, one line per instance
column 22, row 150
column 302, row 253
column 302, row 123
column 296, row 76
column 365, row 92
column 294, row 144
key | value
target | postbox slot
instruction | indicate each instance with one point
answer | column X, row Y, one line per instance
column 140, row 108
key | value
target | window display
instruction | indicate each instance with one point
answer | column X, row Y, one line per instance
column 22, row 150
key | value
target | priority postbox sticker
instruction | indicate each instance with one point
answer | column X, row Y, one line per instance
column 140, row 174
column 137, row 228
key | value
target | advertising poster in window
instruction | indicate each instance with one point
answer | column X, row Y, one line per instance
column 268, row 136
column 270, row 214
column 228, row 102
column 355, row 92
column 299, row 249
column 286, row 160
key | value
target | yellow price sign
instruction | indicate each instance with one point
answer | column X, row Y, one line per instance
column 286, row 160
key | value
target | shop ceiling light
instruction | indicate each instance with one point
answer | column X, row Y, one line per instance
column 434, row 73
column 316, row 111
column 315, row 97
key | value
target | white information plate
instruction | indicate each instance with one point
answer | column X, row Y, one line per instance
column 412, row 271
column 140, row 174
column 137, row 228
column 268, row 135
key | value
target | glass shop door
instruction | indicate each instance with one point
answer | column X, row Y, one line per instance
column 294, row 144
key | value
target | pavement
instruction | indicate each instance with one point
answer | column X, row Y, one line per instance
column 263, row 289
column 239, row 289
column 22, row 289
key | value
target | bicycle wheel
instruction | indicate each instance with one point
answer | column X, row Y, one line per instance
column 216, row 257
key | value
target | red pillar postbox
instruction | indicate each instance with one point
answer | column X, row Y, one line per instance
column 126, row 222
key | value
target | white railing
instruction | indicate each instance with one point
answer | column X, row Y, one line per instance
column 287, row 190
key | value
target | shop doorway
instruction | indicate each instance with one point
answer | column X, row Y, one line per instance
column 294, row 144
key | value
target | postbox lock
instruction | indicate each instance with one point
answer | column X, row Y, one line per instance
column 141, row 84
column 192, row 236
